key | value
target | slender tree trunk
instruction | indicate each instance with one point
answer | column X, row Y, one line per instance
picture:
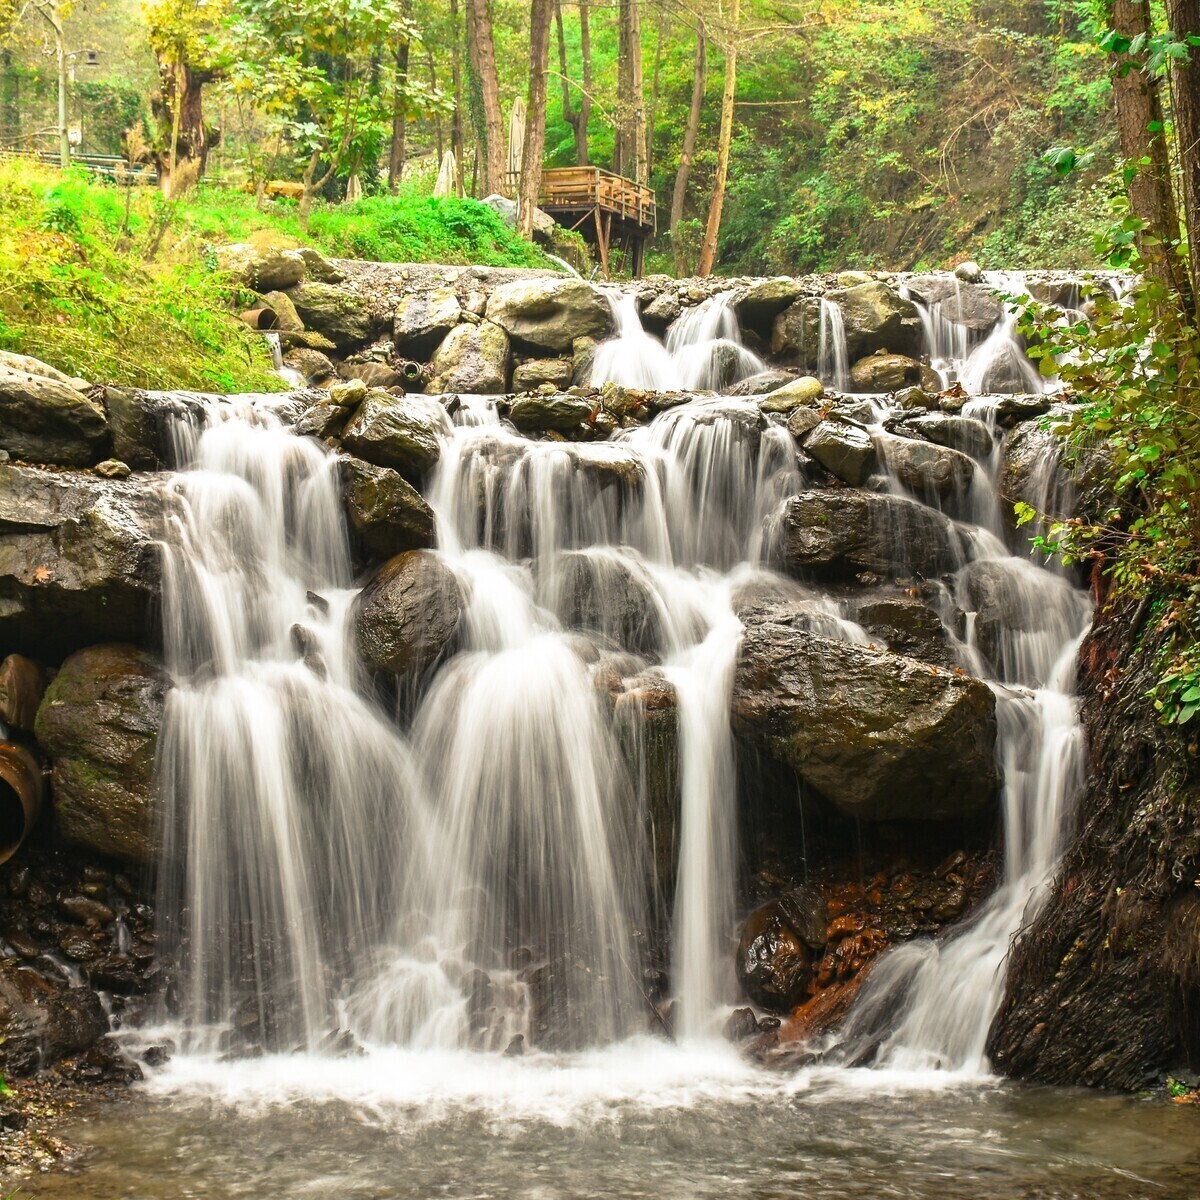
column 457, row 138
column 629, row 151
column 1184, row 18
column 535, row 113
column 690, row 134
column 708, row 252
column 582, row 156
column 399, row 119
column 655, row 90
column 481, row 47
column 1140, row 128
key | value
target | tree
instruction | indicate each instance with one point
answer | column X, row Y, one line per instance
column 708, row 252
column 577, row 118
column 1184, row 18
column 691, row 133
column 485, row 94
column 535, row 114
column 399, row 106
column 629, row 149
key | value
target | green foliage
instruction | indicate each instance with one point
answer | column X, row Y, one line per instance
column 1135, row 372
column 74, row 292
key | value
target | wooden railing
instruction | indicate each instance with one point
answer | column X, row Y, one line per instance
column 579, row 188
column 111, row 165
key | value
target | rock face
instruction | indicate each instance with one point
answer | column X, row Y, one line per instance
column 44, row 420
column 880, row 736
column 408, row 614
column 599, row 592
column 42, row 1021
column 385, row 514
column 844, row 450
column 78, row 559
column 878, row 318
column 261, row 268
column 774, row 967
column 397, row 431
column 472, row 359
column 838, row 534
column 422, row 320
column 99, row 724
column 928, row 471
column 549, row 314
column 341, row 315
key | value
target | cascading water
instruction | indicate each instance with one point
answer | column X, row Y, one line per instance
column 703, row 351
column 833, row 355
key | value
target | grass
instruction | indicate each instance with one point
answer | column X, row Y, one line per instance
column 76, row 289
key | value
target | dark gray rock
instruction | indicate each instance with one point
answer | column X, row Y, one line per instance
column 43, row 420
column 931, row 472
column 397, row 431
column 965, row 434
column 99, row 724
column 44, row 1020
column 599, row 592
column 385, row 514
column 845, row 450
column 880, row 736
column 909, row 627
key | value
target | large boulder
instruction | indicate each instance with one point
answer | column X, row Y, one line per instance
column 79, row 559
column 99, row 723
column 876, row 317
column 774, row 966
column 796, row 331
column 536, row 371
column 886, row 373
column 343, row 316
column 549, row 314
column 43, row 1020
column 843, row 449
column 397, row 431
column 602, row 592
column 261, row 268
column 759, row 304
column 45, row 420
column 537, row 413
column 422, row 320
column 385, row 514
column 971, row 305
column 472, row 359
column 408, row 614
column 837, row 534
column 880, row 736
column 967, row 434
column 931, row 472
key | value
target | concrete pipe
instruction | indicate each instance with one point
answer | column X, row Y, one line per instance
column 22, row 685
column 411, row 372
column 259, row 318
column 20, row 796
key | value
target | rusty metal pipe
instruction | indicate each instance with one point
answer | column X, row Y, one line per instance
column 259, row 318
column 20, row 796
column 22, row 685
column 410, row 371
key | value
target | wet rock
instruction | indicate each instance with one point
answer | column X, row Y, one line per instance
column 535, row 372
column 803, row 392
column 877, row 318
column 969, row 272
column 549, row 314
column 86, row 910
column 43, row 1021
column 99, row 726
column 839, row 533
column 600, row 591
column 338, row 313
column 537, row 413
column 385, row 514
column 802, row 421
column 880, row 736
column 908, row 626
column 397, row 431
column 998, row 592
column 407, row 614
column 372, row 374
column 845, row 450
column 43, row 420
column 761, row 302
column 964, row 434
column 742, row 1024
column 805, row 910
column 315, row 367
column 423, row 319
column 472, row 359
column 762, row 383
column 885, row 373
column 79, row 559
column 261, row 268
column 22, row 685
column 1010, row 410
column 971, row 305
column 773, row 964
column 917, row 399
column 929, row 471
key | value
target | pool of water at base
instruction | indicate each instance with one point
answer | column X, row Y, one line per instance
column 654, row 1123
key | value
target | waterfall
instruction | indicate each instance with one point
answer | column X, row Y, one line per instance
column 833, row 356
column 703, row 351
column 945, row 343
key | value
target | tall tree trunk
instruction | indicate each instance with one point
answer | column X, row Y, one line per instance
column 629, row 149
column 178, row 108
column 708, row 252
column 1140, row 128
column 535, row 113
column 438, row 125
column 1184, row 18
column 582, row 156
column 690, row 134
column 577, row 118
column 489, row 124
column 457, row 136
column 399, row 119
column 660, row 36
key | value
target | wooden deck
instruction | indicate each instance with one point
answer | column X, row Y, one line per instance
column 613, row 213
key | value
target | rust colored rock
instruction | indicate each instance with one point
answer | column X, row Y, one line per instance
column 22, row 685
column 773, row 964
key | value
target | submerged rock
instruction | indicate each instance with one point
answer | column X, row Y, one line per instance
column 45, row 421
column 79, row 558
column 385, row 514
column 408, row 614
column 600, row 591
column 880, row 736
column 840, row 533
column 99, row 724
